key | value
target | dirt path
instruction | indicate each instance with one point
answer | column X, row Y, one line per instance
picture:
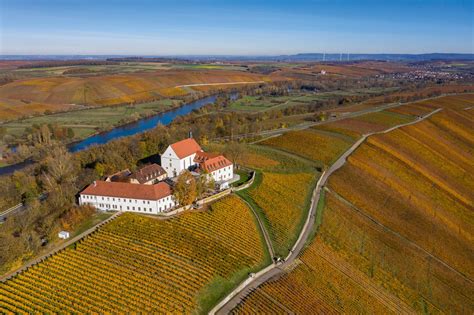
column 268, row 241
column 235, row 297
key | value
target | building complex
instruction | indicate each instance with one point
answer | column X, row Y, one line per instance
column 150, row 188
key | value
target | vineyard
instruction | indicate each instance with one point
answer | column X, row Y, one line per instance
column 143, row 264
column 322, row 283
column 39, row 94
column 357, row 126
column 321, row 147
column 283, row 199
column 388, row 217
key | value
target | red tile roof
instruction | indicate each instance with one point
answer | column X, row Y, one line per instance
column 185, row 147
column 127, row 190
column 214, row 163
column 203, row 156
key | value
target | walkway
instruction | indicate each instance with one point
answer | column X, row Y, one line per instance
column 237, row 295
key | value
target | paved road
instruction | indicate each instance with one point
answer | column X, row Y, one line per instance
column 17, row 208
column 10, row 211
column 238, row 294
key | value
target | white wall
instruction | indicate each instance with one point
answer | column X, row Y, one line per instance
column 127, row 204
column 174, row 165
column 223, row 174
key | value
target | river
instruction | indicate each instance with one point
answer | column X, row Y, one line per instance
column 131, row 129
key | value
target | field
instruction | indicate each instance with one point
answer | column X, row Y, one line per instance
column 357, row 126
column 280, row 193
column 321, row 146
column 297, row 98
column 88, row 121
column 283, row 199
column 35, row 95
column 355, row 69
column 143, row 264
column 396, row 233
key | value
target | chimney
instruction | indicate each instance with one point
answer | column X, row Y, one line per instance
column 95, row 183
column 190, row 134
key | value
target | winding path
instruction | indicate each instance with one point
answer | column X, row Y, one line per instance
column 268, row 240
column 238, row 294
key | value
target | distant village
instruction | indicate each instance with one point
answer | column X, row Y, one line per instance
column 150, row 188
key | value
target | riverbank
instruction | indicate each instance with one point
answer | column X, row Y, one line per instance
column 164, row 117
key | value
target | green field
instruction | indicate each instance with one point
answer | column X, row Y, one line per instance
column 263, row 103
column 86, row 122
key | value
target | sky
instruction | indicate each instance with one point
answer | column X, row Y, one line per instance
column 238, row 27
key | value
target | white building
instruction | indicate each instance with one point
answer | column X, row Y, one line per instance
column 179, row 156
column 216, row 166
column 121, row 196
column 63, row 235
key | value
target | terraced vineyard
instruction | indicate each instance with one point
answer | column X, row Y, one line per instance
column 396, row 234
column 143, row 264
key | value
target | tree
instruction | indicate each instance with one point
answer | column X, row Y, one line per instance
column 234, row 150
column 203, row 184
column 185, row 190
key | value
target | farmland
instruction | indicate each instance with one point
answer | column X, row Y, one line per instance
column 300, row 98
column 87, row 122
column 377, row 121
column 142, row 264
column 388, row 215
column 280, row 192
column 59, row 92
column 323, row 147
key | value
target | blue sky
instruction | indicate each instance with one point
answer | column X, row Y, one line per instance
column 234, row 27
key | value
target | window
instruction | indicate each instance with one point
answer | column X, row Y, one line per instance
column 133, row 208
column 128, row 208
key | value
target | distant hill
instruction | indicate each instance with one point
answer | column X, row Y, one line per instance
column 281, row 58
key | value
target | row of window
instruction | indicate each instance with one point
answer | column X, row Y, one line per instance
column 124, row 200
column 119, row 207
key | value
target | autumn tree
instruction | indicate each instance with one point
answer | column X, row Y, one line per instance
column 203, row 184
column 185, row 190
column 234, row 151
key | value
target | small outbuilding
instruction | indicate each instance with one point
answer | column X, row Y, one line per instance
column 63, row 235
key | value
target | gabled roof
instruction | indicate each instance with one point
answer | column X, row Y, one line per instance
column 204, row 156
column 214, row 163
column 148, row 173
column 185, row 147
column 120, row 176
column 127, row 190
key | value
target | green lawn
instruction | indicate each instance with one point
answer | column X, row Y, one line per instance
column 244, row 177
column 87, row 122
